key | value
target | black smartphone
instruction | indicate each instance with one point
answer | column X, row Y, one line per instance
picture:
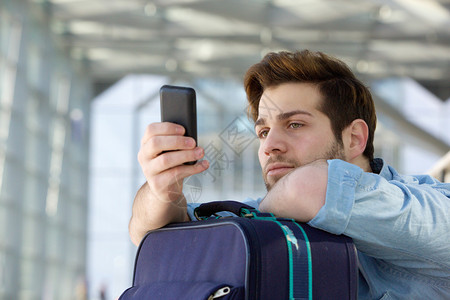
column 178, row 105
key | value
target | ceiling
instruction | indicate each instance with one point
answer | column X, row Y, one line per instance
column 222, row 38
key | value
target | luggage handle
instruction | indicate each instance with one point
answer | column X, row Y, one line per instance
column 205, row 210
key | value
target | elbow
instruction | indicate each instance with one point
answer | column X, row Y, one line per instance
column 134, row 236
column 137, row 230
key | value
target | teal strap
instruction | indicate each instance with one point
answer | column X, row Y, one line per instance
column 299, row 254
column 290, row 239
column 308, row 247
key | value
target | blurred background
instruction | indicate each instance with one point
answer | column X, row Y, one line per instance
column 79, row 82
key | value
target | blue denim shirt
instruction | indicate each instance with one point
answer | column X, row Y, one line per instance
column 399, row 224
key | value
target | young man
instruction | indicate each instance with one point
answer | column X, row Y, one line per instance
column 316, row 122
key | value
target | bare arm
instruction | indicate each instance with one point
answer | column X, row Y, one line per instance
column 160, row 200
column 300, row 194
column 147, row 214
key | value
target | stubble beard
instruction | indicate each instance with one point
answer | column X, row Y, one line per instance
column 335, row 151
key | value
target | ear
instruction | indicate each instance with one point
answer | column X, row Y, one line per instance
column 357, row 134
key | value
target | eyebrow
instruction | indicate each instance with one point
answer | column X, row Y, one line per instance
column 284, row 116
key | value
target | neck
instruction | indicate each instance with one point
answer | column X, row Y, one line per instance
column 362, row 162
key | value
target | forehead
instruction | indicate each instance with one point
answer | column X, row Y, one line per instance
column 287, row 97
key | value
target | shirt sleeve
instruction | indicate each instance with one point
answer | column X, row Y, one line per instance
column 190, row 210
column 394, row 220
column 335, row 214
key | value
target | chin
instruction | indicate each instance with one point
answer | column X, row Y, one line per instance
column 270, row 183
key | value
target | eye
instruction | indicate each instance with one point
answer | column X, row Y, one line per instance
column 295, row 125
column 263, row 133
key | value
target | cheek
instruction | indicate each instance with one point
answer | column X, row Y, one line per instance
column 316, row 140
column 309, row 146
column 261, row 156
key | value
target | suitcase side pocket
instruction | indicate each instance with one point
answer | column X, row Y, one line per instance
column 184, row 291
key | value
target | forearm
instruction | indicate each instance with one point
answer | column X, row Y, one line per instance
column 386, row 218
column 409, row 218
column 149, row 213
column 300, row 194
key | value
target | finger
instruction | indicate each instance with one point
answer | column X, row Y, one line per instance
column 158, row 144
column 161, row 128
column 170, row 182
column 177, row 174
column 170, row 160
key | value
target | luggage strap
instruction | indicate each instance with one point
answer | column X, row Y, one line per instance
column 300, row 286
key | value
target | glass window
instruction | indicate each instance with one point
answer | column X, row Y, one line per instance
column 5, row 25
column 10, row 45
column 8, row 274
column 32, row 242
column 35, row 192
column 37, row 124
column 31, row 278
column 2, row 72
column 34, row 67
column 35, row 155
column 8, row 83
column 60, row 93
column 3, row 225
column 16, row 136
column 54, row 243
column 51, row 280
column 12, row 185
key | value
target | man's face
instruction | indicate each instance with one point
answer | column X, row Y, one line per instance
column 292, row 131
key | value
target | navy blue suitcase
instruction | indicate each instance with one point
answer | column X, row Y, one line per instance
column 254, row 256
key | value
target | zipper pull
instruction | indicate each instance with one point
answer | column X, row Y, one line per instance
column 220, row 293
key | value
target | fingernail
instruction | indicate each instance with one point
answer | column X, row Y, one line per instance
column 205, row 163
column 199, row 153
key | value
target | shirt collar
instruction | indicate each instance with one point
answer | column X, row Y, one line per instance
column 381, row 168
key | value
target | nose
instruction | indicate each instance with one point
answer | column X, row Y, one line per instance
column 274, row 143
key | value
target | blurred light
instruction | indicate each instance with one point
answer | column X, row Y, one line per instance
column 171, row 65
column 205, row 50
column 100, row 54
column 362, row 66
column 150, row 9
column 86, row 27
column 76, row 115
column 431, row 11
column 266, row 36
column 385, row 12
column 63, row 1
column 51, row 206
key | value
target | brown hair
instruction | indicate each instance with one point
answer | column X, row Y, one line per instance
column 345, row 98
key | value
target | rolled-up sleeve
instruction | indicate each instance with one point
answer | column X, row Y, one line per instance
column 335, row 214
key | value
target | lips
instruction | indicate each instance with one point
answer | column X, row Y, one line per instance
column 278, row 168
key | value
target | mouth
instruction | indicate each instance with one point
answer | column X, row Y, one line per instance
column 277, row 169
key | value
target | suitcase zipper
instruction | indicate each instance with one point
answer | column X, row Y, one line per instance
column 220, row 292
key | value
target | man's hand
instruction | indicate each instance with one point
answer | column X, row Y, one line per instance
column 300, row 194
column 160, row 200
